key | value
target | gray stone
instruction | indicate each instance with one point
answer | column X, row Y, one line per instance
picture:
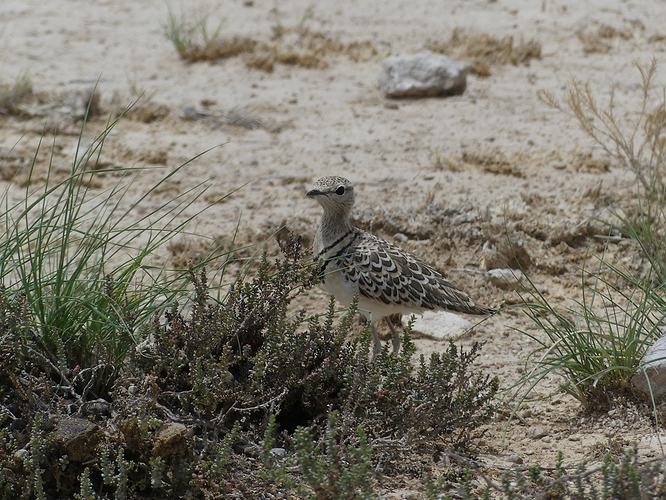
column 77, row 437
column 537, row 432
column 652, row 367
column 98, row 408
column 425, row 74
column 440, row 325
column 278, row 453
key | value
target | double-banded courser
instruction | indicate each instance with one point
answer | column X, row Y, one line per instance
column 386, row 278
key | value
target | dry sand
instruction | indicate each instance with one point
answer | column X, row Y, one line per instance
column 331, row 119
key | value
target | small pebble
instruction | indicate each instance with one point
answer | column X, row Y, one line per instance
column 189, row 112
column 537, row 432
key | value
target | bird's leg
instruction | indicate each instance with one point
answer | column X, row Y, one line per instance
column 376, row 343
column 395, row 337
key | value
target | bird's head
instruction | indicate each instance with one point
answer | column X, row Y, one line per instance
column 334, row 193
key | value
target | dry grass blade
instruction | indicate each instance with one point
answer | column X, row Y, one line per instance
column 485, row 50
column 638, row 143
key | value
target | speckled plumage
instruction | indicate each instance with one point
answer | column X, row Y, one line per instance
column 387, row 279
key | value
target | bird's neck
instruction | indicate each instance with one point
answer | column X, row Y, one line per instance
column 333, row 226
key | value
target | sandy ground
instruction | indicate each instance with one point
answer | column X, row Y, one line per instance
column 327, row 120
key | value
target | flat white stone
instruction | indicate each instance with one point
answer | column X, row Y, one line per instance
column 438, row 325
column 653, row 364
column 506, row 279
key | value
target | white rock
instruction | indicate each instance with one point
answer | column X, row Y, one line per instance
column 440, row 325
column 506, row 279
column 425, row 74
column 653, row 364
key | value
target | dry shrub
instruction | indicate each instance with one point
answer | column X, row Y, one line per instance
column 638, row 142
column 485, row 50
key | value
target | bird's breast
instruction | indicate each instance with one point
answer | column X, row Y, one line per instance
column 338, row 283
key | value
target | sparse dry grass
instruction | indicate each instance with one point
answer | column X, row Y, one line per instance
column 13, row 95
column 219, row 48
column 492, row 160
column 485, row 50
column 144, row 110
column 296, row 45
column 497, row 161
column 600, row 41
column 191, row 250
column 638, row 142
column 309, row 49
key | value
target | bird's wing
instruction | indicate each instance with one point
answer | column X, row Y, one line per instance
column 386, row 273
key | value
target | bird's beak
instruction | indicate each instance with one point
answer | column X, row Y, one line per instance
column 313, row 192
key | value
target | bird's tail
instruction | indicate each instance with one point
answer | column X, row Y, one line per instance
column 452, row 298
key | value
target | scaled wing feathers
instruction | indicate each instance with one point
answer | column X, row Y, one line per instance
column 386, row 273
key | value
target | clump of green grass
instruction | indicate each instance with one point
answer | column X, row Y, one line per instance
column 195, row 41
column 596, row 344
column 64, row 248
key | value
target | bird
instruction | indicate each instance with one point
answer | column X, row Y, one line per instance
column 386, row 278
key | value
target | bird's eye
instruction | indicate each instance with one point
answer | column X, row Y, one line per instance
column 340, row 191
